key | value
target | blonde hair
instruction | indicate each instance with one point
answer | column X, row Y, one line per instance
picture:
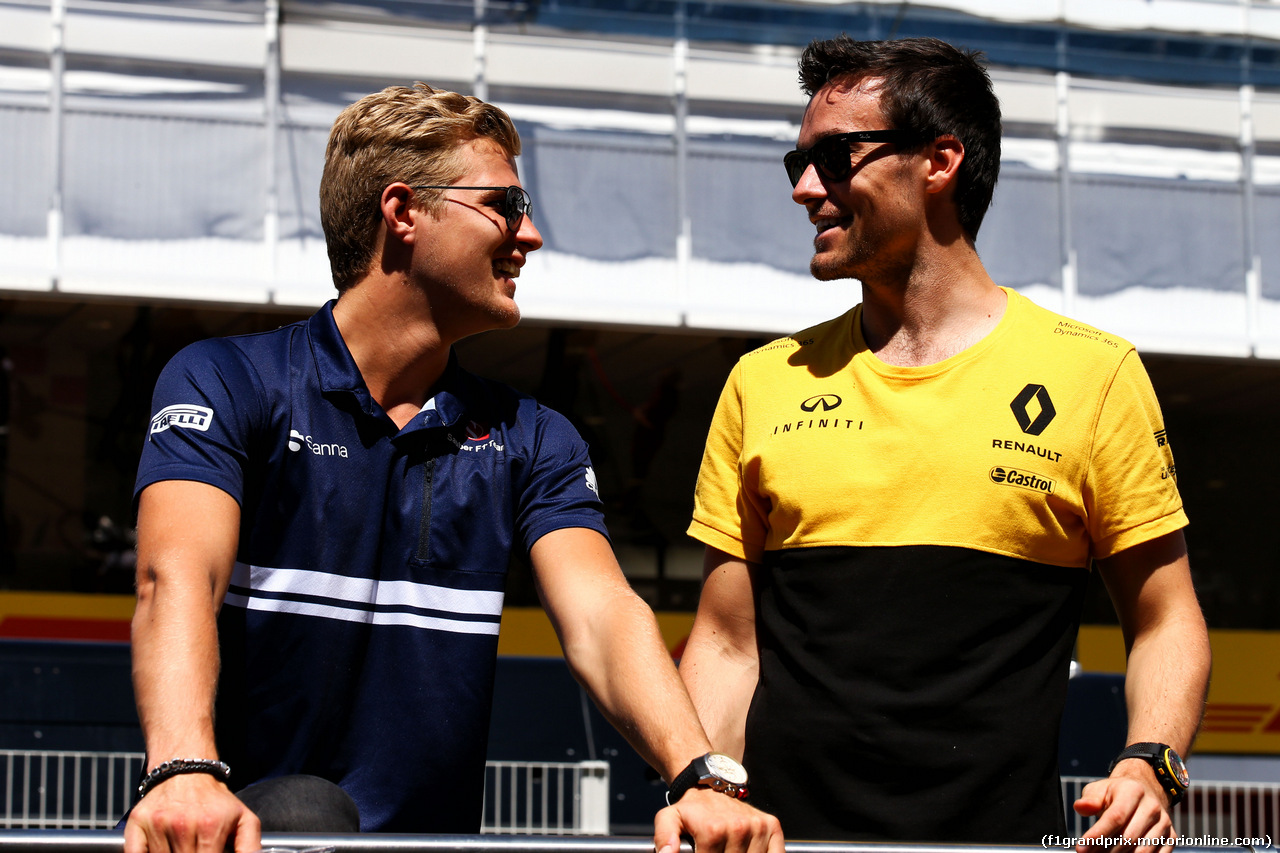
column 398, row 134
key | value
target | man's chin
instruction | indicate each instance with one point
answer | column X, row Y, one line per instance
column 497, row 320
column 825, row 271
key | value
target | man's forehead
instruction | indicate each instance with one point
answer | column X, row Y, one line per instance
column 842, row 105
column 847, row 93
column 853, row 84
column 484, row 156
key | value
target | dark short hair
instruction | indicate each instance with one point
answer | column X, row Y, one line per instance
column 930, row 87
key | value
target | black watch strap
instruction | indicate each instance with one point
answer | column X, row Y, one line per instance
column 1170, row 772
column 713, row 770
column 680, row 785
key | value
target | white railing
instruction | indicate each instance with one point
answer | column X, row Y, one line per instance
column 91, row 790
column 1216, row 810
column 546, row 798
column 66, row 790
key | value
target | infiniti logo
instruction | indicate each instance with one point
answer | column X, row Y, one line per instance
column 826, row 401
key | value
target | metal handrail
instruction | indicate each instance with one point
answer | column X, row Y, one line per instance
column 111, row 841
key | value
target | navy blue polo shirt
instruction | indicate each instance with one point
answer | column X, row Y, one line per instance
column 359, row 634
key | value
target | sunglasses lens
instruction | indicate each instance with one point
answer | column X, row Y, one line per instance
column 831, row 155
column 516, row 207
column 795, row 163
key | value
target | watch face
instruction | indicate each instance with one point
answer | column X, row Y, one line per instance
column 1177, row 768
column 726, row 768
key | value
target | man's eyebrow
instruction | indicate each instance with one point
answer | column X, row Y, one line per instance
column 827, row 136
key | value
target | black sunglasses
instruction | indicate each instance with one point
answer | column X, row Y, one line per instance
column 831, row 155
column 515, row 205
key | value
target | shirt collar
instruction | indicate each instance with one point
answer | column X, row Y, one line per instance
column 335, row 368
column 456, row 395
column 457, row 392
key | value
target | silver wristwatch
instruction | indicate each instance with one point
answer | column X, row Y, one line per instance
column 714, row 770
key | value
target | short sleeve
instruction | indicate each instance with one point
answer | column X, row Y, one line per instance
column 202, row 411
column 727, row 514
column 1131, row 490
column 561, row 490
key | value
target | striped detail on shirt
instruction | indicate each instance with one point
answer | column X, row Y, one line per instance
column 329, row 596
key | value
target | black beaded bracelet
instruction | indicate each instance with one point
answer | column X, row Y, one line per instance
column 178, row 766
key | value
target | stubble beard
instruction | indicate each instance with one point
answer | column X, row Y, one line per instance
column 842, row 261
column 829, row 270
column 872, row 257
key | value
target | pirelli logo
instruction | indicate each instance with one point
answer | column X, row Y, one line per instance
column 1022, row 479
column 185, row 415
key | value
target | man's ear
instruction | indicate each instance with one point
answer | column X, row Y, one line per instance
column 398, row 213
column 945, row 156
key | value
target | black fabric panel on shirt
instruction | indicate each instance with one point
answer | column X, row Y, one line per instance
column 911, row 693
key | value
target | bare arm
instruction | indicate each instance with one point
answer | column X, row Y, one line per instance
column 1165, row 684
column 187, row 535
column 721, row 663
column 612, row 644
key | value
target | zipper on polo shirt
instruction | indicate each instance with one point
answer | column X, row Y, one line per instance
column 424, row 523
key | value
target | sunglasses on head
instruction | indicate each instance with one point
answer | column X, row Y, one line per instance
column 515, row 204
column 832, row 155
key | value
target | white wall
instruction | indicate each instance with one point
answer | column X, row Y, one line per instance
column 173, row 153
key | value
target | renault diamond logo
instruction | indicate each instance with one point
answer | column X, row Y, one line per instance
column 1036, row 425
column 826, row 401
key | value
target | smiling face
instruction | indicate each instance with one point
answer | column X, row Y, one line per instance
column 868, row 224
column 468, row 259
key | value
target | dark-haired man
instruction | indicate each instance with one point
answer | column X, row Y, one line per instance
column 326, row 513
column 901, row 505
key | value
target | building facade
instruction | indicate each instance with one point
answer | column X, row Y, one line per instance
column 160, row 163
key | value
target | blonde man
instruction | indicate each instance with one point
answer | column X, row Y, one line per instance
column 325, row 516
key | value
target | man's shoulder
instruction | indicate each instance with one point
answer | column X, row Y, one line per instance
column 252, row 348
column 833, row 333
column 241, row 373
column 1038, row 326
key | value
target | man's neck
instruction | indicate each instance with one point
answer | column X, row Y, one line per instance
column 387, row 326
column 931, row 314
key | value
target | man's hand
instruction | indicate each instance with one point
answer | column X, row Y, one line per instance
column 191, row 813
column 1130, row 805
column 717, row 823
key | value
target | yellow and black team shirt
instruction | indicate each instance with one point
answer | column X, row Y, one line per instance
column 924, row 535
